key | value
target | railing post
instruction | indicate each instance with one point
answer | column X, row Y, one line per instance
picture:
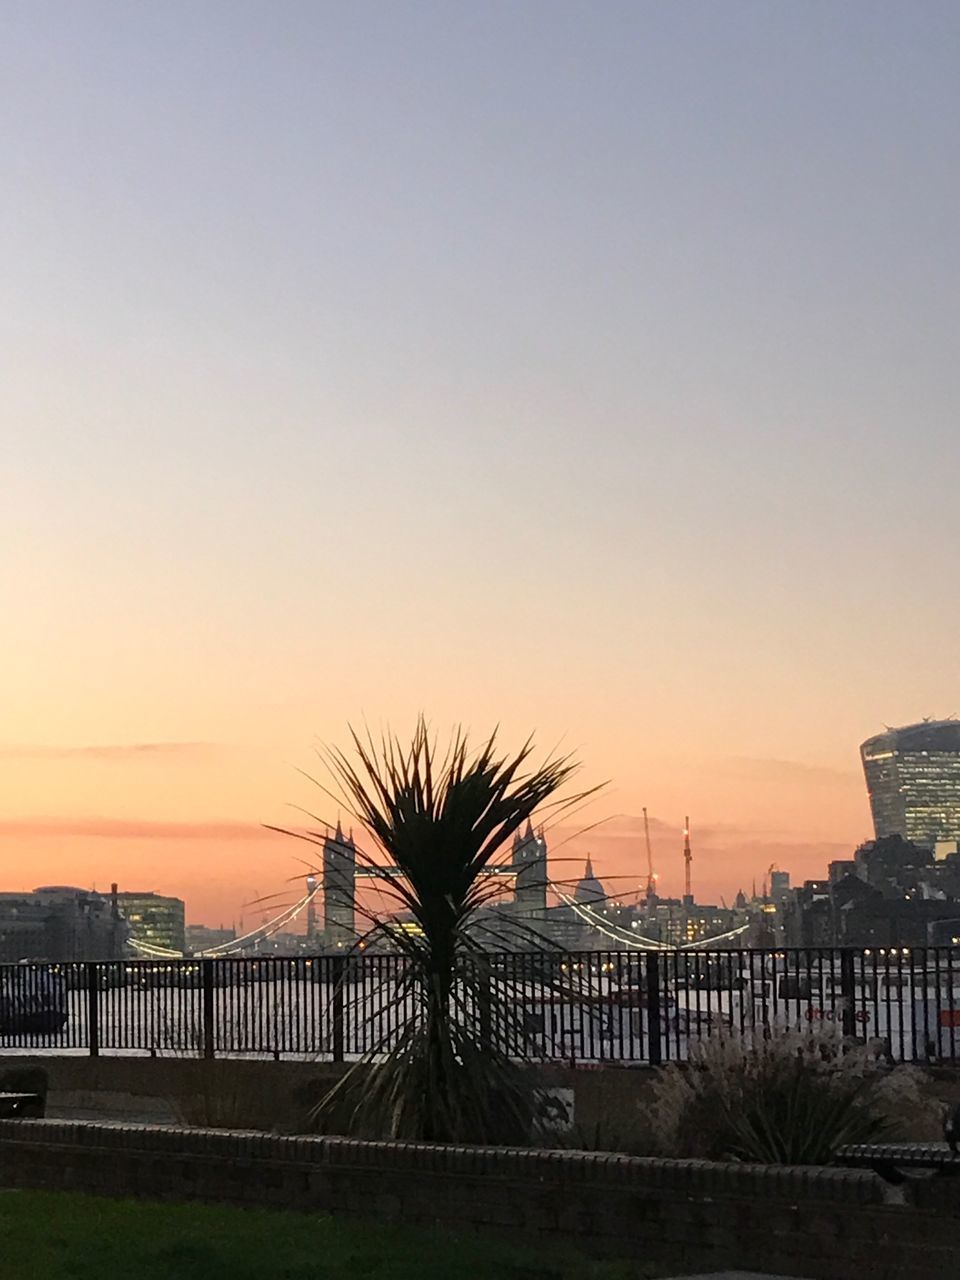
column 482, row 983
column 848, row 993
column 654, row 1036
column 93, row 1008
column 207, row 1004
column 338, row 968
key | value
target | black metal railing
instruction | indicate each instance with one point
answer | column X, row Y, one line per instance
column 586, row 1007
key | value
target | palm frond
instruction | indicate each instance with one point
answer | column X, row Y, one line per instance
column 443, row 823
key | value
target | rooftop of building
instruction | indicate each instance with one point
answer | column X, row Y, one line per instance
column 941, row 733
column 147, row 893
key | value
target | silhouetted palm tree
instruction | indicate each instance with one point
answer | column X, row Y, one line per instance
column 445, row 824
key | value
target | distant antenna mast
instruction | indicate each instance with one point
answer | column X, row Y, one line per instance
column 687, row 859
column 651, row 878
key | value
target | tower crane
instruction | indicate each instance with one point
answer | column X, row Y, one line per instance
column 651, row 878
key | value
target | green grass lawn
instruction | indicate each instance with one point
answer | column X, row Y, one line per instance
column 56, row 1236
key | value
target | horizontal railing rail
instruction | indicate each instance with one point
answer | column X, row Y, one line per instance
column 630, row 1007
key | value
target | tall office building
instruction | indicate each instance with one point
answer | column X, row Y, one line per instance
column 779, row 884
column 913, row 779
column 530, row 861
column 339, row 882
column 154, row 918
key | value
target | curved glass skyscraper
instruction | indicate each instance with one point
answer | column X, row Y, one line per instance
column 913, row 778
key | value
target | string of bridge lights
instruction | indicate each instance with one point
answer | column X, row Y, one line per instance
column 152, row 952
column 638, row 941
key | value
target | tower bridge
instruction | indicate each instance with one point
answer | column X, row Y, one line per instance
column 587, row 911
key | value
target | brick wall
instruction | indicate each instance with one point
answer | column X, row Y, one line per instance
column 826, row 1224
column 278, row 1095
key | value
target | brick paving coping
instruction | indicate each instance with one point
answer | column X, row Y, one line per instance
column 850, row 1186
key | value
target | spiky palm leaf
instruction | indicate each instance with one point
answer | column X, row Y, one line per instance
column 445, row 825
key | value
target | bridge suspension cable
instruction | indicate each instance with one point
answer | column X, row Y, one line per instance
column 637, row 941
column 150, row 951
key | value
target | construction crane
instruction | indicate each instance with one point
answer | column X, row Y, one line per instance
column 651, row 878
column 687, row 859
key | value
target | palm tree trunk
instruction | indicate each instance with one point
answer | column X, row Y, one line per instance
column 439, row 982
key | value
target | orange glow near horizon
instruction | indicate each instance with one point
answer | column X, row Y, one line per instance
column 186, row 819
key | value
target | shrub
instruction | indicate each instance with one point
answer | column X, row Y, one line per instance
column 780, row 1097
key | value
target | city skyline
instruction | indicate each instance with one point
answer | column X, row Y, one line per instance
column 589, row 371
column 726, row 857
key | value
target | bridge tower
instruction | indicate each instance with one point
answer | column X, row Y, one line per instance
column 530, row 864
column 339, row 884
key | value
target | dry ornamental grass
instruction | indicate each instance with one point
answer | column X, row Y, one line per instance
column 784, row 1096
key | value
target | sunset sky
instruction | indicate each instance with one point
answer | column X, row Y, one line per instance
column 587, row 368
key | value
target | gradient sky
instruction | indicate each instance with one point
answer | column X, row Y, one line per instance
column 589, row 368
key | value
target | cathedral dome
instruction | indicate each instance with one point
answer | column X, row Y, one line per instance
column 590, row 890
